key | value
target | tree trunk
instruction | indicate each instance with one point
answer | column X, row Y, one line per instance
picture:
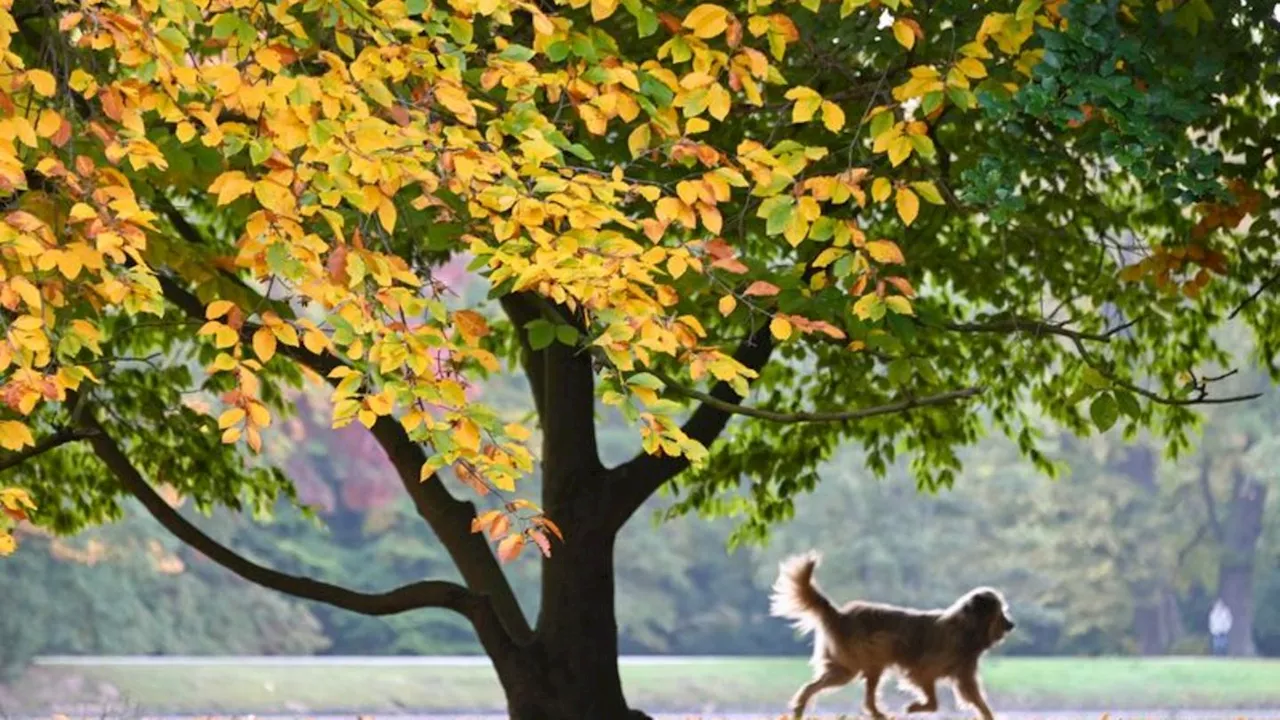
column 573, row 660
column 1158, row 623
column 1240, row 534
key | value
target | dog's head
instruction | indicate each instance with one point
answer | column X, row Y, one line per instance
column 986, row 612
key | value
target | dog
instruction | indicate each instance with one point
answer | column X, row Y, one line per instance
column 867, row 639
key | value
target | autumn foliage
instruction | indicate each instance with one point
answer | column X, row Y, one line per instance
column 327, row 123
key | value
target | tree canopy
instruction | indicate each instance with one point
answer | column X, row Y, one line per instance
column 1044, row 207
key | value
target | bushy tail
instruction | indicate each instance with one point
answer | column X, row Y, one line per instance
column 796, row 598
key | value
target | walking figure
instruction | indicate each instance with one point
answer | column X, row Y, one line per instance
column 1219, row 626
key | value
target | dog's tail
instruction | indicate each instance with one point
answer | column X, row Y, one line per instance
column 796, row 598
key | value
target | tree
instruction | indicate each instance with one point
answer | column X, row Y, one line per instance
column 859, row 213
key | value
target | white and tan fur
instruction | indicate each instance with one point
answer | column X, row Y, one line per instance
column 865, row 640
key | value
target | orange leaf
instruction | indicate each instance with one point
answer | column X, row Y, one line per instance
column 542, row 542
column 762, row 289
column 510, row 548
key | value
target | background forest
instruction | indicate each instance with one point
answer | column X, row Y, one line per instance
column 1123, row 553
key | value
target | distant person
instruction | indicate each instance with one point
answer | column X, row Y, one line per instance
column 1219, row 626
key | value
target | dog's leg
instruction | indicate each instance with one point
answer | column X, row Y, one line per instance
column 971, row 692
column 869, row 700
column 929, row 700
column 830, row 677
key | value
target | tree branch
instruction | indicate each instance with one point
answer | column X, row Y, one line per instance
column 1202, row 391
column 1034, row 327
column 1254, row 295
column 836, row 416
column 448, row 517
column 642, row 475
column 56, row 440
column 430, row 593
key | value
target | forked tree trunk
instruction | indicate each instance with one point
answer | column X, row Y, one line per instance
column 576, row 644
column 570, row 669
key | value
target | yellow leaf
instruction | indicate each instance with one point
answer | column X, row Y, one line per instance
column 696, row 125
column 727, row 304
column 315, row 341
column 43, row 82
column 780, row 327
column 807, row 102
column 881, row 188
column 14, row 435
column 718, row 102
column 885, row 251
column 185, row 132
column 832, row 116
column 467, row 435
column 230, row 435
column 264, row 344
column 903, row 34
column 638, row 140
column 602, row 9
column 899, row 150
column 867, row 305
column 676, row 265
column 231, row 185
column 899, row 305
column 387, row 214
column 217, row 309
column 516, row 431
column 972, row 68
column 231, row 417
column 259, row 415
column 908, row 205
column 48, row 124
column 707, row 21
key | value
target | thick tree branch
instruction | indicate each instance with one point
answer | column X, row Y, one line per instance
column 448, row 517
column 642, row 475
column 430, row 593
column 56, row 440
column 563, row 379
column 520, row 311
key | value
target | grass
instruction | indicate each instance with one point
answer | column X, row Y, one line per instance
column 707, row 686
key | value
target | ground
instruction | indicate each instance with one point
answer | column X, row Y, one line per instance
column 710, row 686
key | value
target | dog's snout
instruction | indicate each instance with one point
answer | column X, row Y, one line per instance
column 1009, row 624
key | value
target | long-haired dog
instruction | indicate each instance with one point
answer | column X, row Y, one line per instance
column 866, row 639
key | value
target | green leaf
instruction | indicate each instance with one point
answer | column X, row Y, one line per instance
column 1128, row 403
column 645, row 380
column 1105, row 411
column 541, row 333
column 225, row 26
column 516, row 53
column 1094, row 379
column 567, row 334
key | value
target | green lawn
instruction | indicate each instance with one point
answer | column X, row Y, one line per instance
column 708, row 686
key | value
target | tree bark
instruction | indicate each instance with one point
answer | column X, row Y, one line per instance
column 1240, row 534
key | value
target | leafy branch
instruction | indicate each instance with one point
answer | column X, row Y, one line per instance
column 902, row 405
